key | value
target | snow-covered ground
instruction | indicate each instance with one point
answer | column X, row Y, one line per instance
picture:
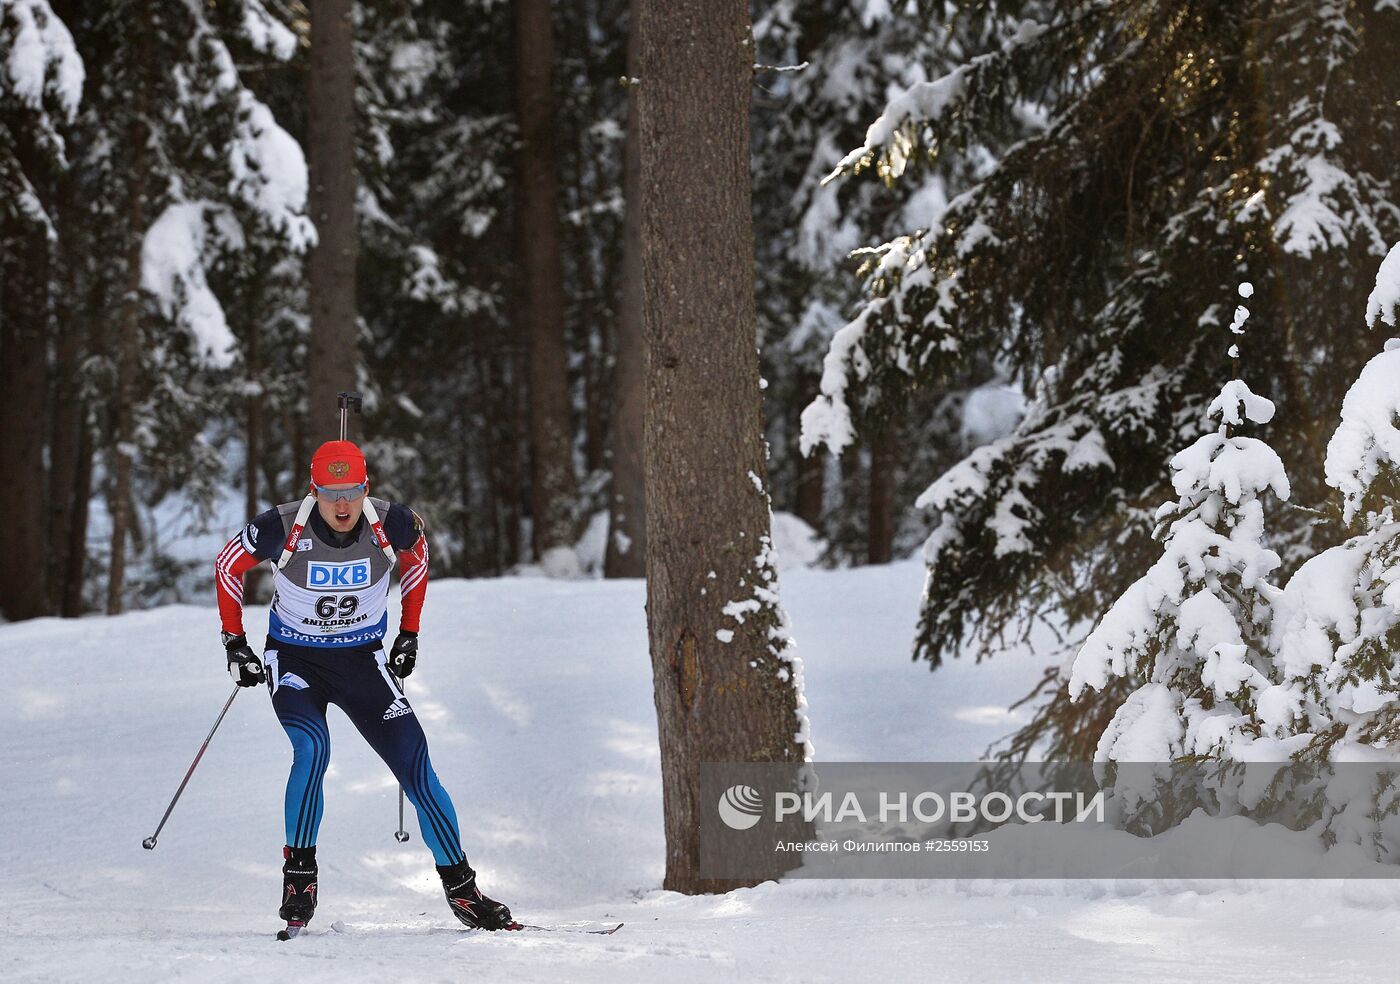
column 536, row 695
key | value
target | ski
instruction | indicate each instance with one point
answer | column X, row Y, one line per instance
column 294, row 930
column 567, row 929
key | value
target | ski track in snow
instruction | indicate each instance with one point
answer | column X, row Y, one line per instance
column 536, row 696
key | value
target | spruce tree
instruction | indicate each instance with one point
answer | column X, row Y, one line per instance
column 1192, row 634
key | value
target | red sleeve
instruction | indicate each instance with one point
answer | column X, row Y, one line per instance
column 234, row 561
column 413, row 583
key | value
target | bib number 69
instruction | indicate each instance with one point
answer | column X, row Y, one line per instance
column 328, row 606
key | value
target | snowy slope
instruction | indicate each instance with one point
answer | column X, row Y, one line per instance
column 537, row 701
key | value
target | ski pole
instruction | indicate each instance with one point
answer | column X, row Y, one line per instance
column 150, row 842
column 401, row 835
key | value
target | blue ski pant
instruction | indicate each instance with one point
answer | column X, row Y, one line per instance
column 358, row 682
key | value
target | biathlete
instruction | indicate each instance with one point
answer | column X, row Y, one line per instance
column 333, row 556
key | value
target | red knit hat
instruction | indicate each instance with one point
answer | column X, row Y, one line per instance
column 338, row 462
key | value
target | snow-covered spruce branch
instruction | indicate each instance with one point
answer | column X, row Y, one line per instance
column 890, row 140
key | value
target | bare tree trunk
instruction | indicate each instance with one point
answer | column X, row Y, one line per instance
column 591, row 267
column 253, row 422
column 811, row 471
column 508, row 473
column 552, row 482
column 301, row 453
column 24, row 338
column 851, row 492
column 122, row 450
column 490, row 416
column 65, row 444
column 477, row 550
column 627, row 543
column 73, row 478
column 884, row 448
column 595, row 394
column 811, row 491
column 719, row 697
column 75, row 536
column 127, row 358
column 68, row 417
column 331, row 266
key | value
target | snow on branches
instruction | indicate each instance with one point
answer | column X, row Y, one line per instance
column 1325, row 202
column 1363, row 457
column 41, row 76
column 266, row 33
column 42, row 66
column 177, row 250
column 891, row 140
column 251, row 188
column 1339, row 625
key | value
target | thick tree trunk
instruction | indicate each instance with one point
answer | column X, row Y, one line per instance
column 627, row 544
column 552, row 482
column 707, row 512
column 884, row 449
column 24, row 339
column 331, row 267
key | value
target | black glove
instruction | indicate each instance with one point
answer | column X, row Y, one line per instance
column 404, row 656
column 243, row 664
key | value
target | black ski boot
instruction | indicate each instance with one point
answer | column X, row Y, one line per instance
column 471, row 908
column 298, row 885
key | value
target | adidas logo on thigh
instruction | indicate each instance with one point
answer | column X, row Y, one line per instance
column 397, row 709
